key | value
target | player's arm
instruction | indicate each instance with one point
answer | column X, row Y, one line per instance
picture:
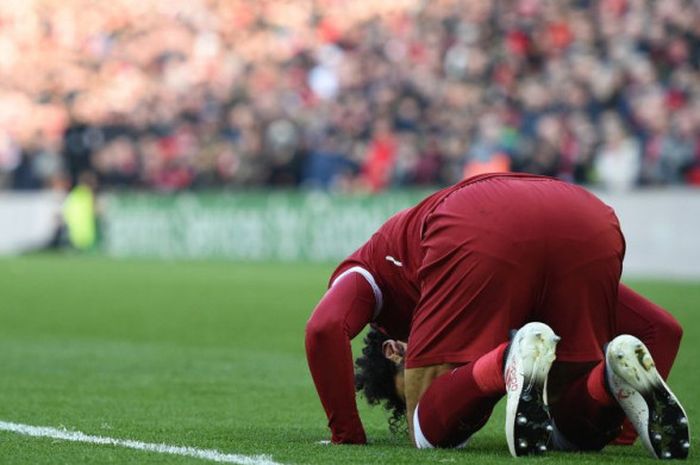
column 347, row 307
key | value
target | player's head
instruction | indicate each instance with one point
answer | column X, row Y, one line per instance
column 379, row 375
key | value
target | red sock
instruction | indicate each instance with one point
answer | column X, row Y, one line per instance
column 458, row 403
column 488, row 371
column 595, row 383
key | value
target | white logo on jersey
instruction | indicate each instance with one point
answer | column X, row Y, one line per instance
column 393, row 260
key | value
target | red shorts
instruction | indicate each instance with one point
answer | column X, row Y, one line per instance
column 501, row 252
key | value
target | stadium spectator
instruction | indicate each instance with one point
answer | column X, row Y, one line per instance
column 618, row 158
column 179, row 95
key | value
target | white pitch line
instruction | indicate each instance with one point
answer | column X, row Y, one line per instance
column 77, row 436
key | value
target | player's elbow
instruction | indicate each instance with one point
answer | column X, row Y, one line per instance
column 319, row 331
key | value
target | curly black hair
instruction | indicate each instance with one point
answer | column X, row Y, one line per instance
column 374, row 378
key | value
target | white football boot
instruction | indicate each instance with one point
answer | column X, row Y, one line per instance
column 653, row 409
column 528, row 422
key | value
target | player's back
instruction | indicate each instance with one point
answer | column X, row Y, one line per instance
column 405, row 229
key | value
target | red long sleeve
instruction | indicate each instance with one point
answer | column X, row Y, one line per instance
column 342, row 313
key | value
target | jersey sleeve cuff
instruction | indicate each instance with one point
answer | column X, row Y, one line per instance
column 378, row 297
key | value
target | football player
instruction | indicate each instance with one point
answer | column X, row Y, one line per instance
column 451, row 276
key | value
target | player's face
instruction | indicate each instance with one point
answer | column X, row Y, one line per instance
column 396, row 351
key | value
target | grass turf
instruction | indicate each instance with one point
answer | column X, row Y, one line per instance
column 209, row 355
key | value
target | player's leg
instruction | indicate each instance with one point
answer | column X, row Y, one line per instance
column 648, row 402
column 458, row 403
column 591, row 408
column 467, row 321
column 656, row 328
column 597, row 417
column 471, row 314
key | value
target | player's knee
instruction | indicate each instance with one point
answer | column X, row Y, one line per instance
column 440, row 437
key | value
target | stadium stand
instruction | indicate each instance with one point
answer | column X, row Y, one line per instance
column 360, row 95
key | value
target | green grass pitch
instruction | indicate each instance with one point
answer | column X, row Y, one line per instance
column 210, row 355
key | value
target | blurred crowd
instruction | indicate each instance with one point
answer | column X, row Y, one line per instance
column 347, row 95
